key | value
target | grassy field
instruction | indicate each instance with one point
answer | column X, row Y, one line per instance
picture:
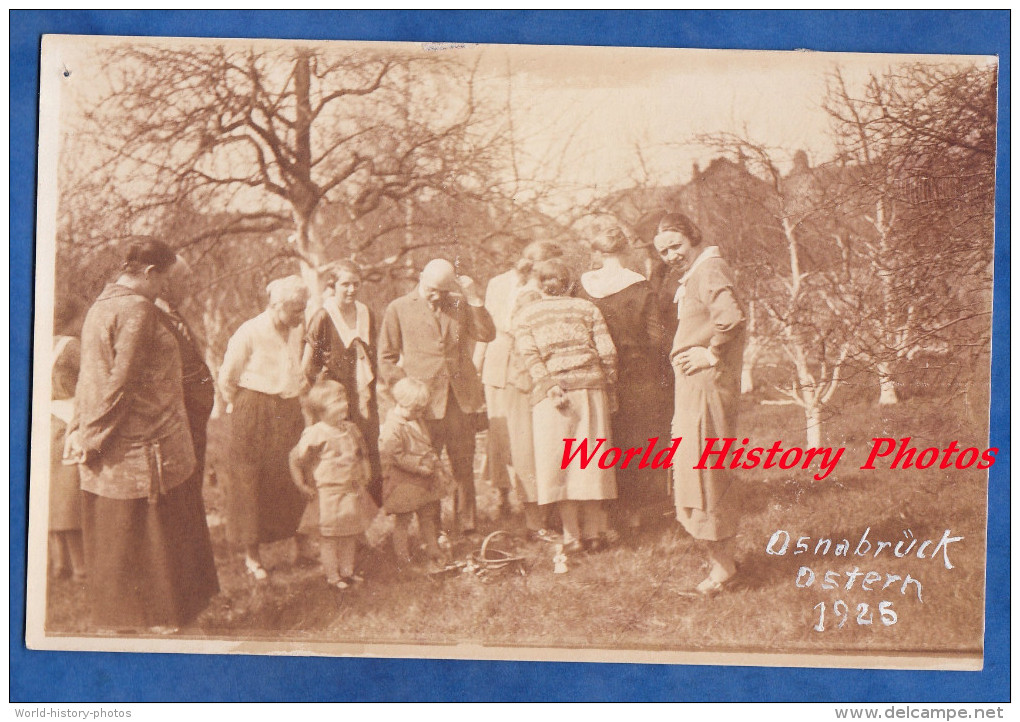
column 629, row 596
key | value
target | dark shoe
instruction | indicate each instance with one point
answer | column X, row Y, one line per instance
column 709, row 587
column 574, row 547
column 594, row 546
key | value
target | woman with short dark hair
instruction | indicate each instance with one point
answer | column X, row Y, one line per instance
column 341, row 345
column 627, row 302
column 707, row 355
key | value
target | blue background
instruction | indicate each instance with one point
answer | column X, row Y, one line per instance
column 62, row 676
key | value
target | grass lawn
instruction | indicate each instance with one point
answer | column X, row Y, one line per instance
column 628, row 597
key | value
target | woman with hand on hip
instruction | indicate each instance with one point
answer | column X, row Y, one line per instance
column 261, row 380
column 707, row 356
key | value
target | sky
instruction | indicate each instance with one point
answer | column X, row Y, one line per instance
column 591, row 120
column 616, row 115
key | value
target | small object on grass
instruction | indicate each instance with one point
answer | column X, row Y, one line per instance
column 560, row 560
column 439, row 569
column 256, row 570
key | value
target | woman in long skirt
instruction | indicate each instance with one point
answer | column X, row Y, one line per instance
column 627, row 302
column 135, row 450
column 707, row 355
column 261, row 379
column 511, row 451
column 199, row 397
column 65, row 544
column 565, row 346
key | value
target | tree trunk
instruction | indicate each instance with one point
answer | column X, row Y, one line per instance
column 304, row 195
column 813, row 416
column 312, row 259
column 746, row 378
column 213, row 326
column 751, row 352
column 887, row 387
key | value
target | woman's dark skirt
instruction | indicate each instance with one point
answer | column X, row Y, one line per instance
column 645, row 411
column 263, row 505
column 148, row 564
column 65, row 489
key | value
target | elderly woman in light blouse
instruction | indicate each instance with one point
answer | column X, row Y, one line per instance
column 261, row 379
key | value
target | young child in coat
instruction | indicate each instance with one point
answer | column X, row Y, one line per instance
column 415, row 479
column 331, row 455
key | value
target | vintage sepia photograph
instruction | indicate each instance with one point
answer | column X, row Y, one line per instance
column 518, row 352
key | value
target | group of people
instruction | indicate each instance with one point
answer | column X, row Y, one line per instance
column 545, row 356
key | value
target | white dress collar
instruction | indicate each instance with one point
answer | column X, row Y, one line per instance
column 598, row 284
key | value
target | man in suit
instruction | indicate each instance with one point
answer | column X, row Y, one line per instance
column 429, row 334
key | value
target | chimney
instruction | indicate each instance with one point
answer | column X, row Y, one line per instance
column 800, row 163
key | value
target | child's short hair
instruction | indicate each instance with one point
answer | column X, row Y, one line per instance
column 410, row 393
column 321, row 395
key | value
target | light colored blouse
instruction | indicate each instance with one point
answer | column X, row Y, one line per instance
column 260, row 358
column 709, row 313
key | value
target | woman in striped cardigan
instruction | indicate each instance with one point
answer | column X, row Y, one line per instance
column 565, row 346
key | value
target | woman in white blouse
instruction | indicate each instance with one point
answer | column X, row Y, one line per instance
column 261, row 379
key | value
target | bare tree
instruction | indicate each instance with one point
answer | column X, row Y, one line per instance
column 266, row 138
column 799, row 308
column 918, row 146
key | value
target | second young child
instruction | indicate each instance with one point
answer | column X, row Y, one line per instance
column 414, row 477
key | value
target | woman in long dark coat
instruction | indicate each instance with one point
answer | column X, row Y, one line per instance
column 132, row 440
column 341, row 345
column 199, row 397
column 628, row 304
